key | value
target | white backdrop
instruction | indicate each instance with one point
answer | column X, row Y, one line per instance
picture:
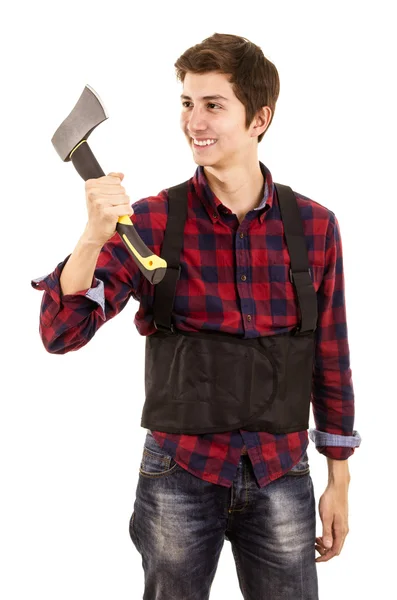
column 71, row 440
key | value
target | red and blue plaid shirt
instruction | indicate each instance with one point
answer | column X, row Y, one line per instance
column 234, row 278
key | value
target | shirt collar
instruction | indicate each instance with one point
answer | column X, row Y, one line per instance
column 215, row 207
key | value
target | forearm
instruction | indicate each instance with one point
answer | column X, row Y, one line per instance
column 338, row 472
column 78, row 272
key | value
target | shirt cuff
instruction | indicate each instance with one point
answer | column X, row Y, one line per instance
column 50, row 283
column 322, row 438
column 97, row 293
column 336, row 452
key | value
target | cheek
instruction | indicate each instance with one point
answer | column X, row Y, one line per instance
column 182, row 121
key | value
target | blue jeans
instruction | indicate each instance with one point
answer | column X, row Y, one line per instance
column 180, row 522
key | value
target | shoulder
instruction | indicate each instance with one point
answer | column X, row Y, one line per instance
column 150, row 218
column 153, row 210
column 324, row 219
column 151, row 205
column 313, row 206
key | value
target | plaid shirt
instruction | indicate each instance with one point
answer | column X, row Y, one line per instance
column 234, row 278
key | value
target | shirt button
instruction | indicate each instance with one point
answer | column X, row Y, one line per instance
column 243, row 277
column 249, row 317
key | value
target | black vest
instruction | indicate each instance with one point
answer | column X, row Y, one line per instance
column 207, row 382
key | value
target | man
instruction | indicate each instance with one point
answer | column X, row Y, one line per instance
column 236, row 323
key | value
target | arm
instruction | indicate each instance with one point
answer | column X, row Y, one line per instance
column 338, row 471
column 78, row 272
column 333, row 398
column 98, row 283
column 332, row 389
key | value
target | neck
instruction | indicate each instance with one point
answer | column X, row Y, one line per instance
column 240, row 188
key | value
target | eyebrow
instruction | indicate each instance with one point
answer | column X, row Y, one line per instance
column 213, row 97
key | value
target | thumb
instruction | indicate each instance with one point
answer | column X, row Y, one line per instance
column 327, row 536
column 117, row 174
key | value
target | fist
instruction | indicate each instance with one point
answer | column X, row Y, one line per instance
column 106, row 201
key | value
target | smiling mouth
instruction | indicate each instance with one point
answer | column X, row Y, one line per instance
column 203, row 146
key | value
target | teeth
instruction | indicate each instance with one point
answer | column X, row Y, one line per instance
column 204, row 142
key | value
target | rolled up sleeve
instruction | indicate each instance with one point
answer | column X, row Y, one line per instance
column 332, row 389
column 67, row 322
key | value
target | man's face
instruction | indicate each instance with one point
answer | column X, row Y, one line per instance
column 217, row 119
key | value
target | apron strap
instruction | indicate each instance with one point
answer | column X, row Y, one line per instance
column 300, row 275
column 164, row 291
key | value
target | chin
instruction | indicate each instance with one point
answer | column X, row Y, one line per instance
column 201, row 159
column 205, row 162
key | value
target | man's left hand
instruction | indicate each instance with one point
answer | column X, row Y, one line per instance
column 333, row 510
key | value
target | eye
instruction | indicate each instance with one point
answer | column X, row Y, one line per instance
column 209, row 104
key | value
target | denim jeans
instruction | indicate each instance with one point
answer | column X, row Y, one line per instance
column 180, row 522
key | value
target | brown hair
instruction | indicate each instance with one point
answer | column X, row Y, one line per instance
column 254, row 78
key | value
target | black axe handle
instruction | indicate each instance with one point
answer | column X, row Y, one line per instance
column 152, row 266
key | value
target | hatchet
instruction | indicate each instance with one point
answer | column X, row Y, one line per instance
column 70, row 141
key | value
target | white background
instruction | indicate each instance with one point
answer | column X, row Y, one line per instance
column 71, row 441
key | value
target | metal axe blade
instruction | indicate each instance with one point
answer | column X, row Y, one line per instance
column 88, row 112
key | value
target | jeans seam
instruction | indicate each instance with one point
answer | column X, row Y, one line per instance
column 149, row 452
column 240, row 572
column 158, row 474
column 232, row 510
column 133, row 530
column 164, row 458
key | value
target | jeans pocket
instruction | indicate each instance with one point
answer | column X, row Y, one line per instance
column 301, row 468
column 155, row 461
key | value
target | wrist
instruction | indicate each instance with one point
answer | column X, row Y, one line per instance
column 338, row 472
column 87, row 239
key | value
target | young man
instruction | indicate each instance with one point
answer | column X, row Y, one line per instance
column 257, row 332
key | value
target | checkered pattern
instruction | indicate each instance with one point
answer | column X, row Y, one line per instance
column 234, row 278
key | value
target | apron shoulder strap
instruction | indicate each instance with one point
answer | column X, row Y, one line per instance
column 164, row 291
column 300, row 274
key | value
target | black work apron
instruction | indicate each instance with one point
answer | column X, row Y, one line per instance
column 207, row 382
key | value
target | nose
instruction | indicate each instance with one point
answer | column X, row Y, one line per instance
column 195, row 121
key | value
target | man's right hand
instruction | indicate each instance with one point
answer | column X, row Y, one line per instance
column 106, row 201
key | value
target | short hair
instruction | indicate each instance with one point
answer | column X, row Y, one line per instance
column 254, row 78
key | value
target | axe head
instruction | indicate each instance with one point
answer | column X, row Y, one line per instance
column 88, row 112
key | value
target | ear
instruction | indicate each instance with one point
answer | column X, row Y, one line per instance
column 261, row 121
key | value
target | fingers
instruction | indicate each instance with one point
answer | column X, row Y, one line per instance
column 110, row 189
column 319, row 546
column 106, row 201
column 327, row 537
column 119, row 211
column 114, row 200
column 117, row 175
column 328, row 553
column 107, row 191
column 113, row 179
